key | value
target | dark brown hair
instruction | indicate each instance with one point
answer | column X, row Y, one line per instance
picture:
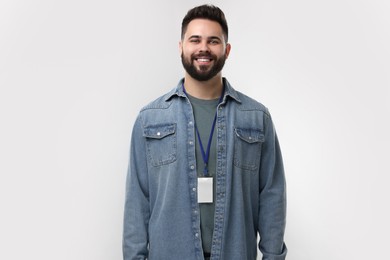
column 209, row 12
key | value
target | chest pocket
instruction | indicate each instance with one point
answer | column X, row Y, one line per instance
column 247, row 148
column 161, row 144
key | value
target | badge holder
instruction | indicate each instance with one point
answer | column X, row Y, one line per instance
column 205, row 190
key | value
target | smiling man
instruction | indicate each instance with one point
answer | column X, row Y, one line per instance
column 204, row 49
column 205, row 173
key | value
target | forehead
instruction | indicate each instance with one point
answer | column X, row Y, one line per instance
column 203, row 27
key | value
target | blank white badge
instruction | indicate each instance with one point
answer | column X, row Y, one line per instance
column 205, row 190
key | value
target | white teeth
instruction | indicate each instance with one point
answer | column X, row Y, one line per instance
column 203, row 60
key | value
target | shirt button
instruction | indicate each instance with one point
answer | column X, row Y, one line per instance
column 158, row 133
column 193, row 189
column 192, row 167
column 191, row 143
column 195, row 212
column 197, row 234
column 190, row 123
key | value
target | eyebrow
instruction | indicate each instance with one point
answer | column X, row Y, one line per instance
column 209, row 38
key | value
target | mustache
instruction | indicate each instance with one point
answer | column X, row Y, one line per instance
column 203, row 55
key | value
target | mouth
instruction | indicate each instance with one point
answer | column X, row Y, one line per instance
column 203, row 60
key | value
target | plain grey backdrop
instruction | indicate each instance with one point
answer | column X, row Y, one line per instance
column 74, row 74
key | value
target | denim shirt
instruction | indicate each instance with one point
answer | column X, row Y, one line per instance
column 161, row 219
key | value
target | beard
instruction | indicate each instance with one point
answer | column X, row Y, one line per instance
column 204, row 73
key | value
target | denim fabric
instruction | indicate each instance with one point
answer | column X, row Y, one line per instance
column 162, row 221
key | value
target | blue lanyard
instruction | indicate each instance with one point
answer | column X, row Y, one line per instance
column 206, row 154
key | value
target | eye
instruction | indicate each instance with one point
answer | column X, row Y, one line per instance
column 194, row 40
column 214, row 42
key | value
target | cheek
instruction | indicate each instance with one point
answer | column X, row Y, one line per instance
column 219, row 52
column 186, row 53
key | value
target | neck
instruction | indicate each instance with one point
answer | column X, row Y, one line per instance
column 207, row 90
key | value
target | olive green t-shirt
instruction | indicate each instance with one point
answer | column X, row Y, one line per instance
column 204, row 113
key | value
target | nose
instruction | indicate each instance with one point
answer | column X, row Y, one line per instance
column 204, row 47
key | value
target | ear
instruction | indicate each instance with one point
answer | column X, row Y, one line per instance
column 227, row 51
column 180, row 47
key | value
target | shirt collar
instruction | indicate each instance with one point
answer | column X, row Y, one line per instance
column 229, row 91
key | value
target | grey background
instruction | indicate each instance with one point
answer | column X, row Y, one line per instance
column 74, row 74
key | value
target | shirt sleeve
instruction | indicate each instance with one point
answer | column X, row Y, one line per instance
column 272, row 199
column 136, row 212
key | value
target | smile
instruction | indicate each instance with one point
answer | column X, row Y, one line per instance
column 203, row 60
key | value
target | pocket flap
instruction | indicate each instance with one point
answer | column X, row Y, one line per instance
column 250, row 135
column 159, row 131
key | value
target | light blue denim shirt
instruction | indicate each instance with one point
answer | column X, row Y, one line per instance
column 161, row 219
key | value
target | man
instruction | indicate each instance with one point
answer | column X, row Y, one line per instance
column 205, row 173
